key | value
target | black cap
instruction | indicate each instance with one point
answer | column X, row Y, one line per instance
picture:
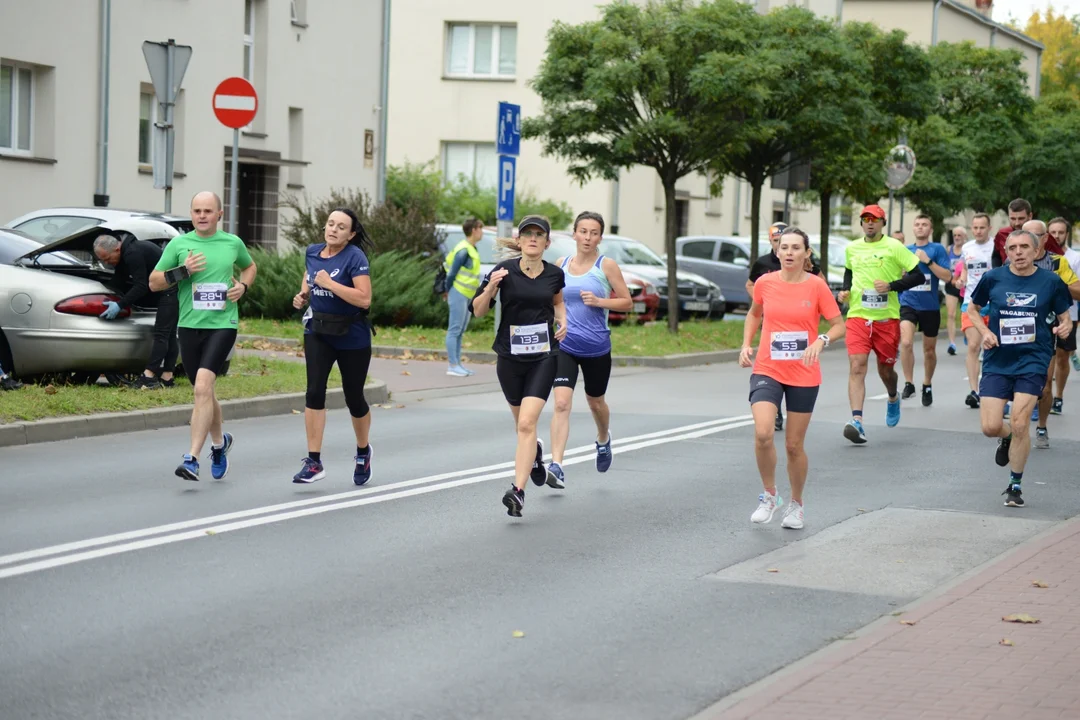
column 537, row 220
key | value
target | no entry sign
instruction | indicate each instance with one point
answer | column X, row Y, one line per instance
column 235, row 102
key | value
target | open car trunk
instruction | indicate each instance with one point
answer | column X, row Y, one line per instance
column 58, row 255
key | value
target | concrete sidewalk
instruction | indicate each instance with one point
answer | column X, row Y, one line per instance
column 949, row 655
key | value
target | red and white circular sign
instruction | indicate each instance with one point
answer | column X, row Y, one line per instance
column 235, row 102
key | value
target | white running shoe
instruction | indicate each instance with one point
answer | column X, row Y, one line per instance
column 767, row 505
column 793, row 518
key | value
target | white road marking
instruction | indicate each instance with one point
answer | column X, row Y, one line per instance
column 340, row 501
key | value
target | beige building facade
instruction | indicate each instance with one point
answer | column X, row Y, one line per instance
column 315, row 66
column 452, row 61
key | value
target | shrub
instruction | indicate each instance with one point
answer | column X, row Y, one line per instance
column 390, row 227
column 400, row 285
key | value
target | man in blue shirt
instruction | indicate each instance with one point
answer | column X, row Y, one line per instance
column 1018, row 344
column 920, row 309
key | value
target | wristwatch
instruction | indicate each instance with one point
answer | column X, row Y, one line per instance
column 824, row 339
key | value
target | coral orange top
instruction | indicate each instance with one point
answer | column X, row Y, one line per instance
column 791, row 315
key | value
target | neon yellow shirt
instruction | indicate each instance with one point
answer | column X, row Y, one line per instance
column 884, row 259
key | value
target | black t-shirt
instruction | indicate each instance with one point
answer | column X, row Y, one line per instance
column 771, row 263
column 528, row 307
column 137, row 260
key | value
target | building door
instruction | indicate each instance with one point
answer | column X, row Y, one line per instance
column 257, row 197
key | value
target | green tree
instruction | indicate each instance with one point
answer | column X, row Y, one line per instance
column 1047, row 170
column 815, row 90
column 983, row 95
column 850, row 163
column 632, row 89
column 947, row 174
column 1060, row 64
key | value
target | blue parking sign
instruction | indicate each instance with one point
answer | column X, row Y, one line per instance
column 507, row 171
column 508, row 140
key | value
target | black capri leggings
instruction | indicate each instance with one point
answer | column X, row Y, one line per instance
column 353, row 365
column 520, row 379
column 595, row 370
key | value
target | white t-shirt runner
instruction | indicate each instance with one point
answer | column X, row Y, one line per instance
column 978, row 260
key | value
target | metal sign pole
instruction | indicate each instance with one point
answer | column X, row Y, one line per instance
column 170, row 67
column 233, row 180
column 889, row 231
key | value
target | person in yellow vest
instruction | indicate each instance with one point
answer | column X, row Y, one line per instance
column 462, row 265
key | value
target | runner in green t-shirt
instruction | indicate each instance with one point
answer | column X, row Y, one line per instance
column 877, row 268
column 202, row 264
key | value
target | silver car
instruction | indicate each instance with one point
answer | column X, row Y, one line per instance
column 52, row 294
column 51, row 224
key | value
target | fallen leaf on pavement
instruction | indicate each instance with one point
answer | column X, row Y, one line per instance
column 210, row 532
column 295, row 412
column 1005, row 641
column 1039, row 584
column 519, row 634
column 908, row 622
column 861, row 509
column 399, row 406
column 1020, row 618
column 899, row 561
column 406, row 372
column 773, row 570
column 404, row 362
column 898, row 613
column 386, row 406
column 419, row 399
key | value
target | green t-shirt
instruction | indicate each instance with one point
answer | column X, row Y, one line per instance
column 885, row 259
column 203, row 304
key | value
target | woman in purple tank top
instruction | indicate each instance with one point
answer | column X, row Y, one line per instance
column 594, row 286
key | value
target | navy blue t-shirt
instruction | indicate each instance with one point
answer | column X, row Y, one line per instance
column 925, row 296
column 1022, row 313
column 343, row 267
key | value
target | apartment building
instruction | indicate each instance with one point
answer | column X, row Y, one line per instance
column 452, row 61
column 315, row 66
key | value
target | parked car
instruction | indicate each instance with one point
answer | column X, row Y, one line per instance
column 51, row 296
column 723, row 260
column 51, row 224
column 644, row 296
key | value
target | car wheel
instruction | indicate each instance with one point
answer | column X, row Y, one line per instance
column 719, row 315
column 122, row 379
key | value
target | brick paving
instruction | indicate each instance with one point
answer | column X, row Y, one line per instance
column 950, row 664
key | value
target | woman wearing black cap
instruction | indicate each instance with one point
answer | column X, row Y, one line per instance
column 527, row 342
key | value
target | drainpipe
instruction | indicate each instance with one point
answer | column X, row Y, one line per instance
column 101, row 191
column 933, row 32
column 993, row 37
column 1038, row 74
column 839, row 12
column 384, row 100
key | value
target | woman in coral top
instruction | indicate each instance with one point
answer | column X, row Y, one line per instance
column 788, row 306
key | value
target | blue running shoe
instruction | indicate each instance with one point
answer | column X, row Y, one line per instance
column 362, row 471
column 189, row 469
column 1035, row 413
column 1007, row 412
column 556, row 478
column 310, row 472
column 853, row 431
column 603, row 455
column 219, row 458
column 892, row 413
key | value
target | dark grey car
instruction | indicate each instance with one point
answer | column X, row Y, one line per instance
column 723, row 260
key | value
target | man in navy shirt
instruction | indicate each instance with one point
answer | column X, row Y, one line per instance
column 920, row 309
column 1018, row 344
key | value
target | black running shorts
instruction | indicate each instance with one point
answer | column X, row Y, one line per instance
column 766, row 389
column 595, row 370
column 1068, row 344
column 207, row 349
column 519, row 379
column 928, row 321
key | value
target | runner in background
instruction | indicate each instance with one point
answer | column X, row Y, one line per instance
column 920, row 310
column 978, row 260
column 955, row 255
column 1061, row 231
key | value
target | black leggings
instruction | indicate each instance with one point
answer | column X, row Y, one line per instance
column 521, row 379
column 353, row 365
column 596, row 370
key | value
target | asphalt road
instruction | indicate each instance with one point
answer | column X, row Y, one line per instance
column 644, row 593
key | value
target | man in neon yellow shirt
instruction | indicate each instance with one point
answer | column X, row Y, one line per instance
column 201, row 264
column 877, row 269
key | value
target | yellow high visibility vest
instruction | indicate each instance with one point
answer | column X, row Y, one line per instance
column 467, row 280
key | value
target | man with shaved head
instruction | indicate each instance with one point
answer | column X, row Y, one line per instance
column 202, row 265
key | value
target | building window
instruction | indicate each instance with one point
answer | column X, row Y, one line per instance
column 249, row 40
column 481, row 51
column 147, row 117
column 470, row 161
column 16, row 108
column 841, row 213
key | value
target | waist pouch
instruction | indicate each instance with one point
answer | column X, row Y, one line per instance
column 335, row 325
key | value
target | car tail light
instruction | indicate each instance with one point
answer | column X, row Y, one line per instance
column 89, row 305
